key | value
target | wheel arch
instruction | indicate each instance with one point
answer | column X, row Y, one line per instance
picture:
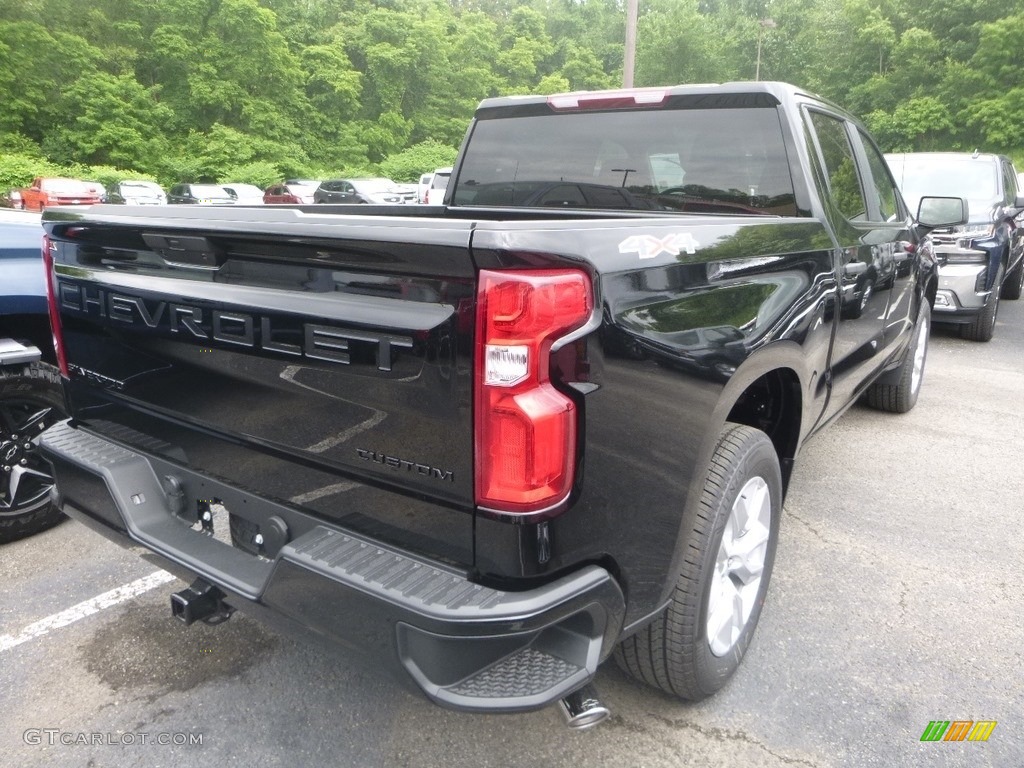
column 767, row 393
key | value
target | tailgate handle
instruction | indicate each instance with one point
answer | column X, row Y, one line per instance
column 185, row 250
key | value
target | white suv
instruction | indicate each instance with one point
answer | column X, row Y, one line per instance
column 438, row 184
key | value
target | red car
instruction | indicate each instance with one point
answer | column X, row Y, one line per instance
column 294, row 194
column 55, row 191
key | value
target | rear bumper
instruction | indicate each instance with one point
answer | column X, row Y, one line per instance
column 465, row 645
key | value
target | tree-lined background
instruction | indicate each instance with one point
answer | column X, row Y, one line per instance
column 260, row 90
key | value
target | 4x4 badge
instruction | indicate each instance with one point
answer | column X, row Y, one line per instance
column 649, row 246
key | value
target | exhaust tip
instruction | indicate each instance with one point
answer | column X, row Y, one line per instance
column 583, row 709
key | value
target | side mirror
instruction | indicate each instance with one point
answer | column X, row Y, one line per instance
column 935, row 212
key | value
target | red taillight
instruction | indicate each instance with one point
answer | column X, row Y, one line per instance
column 51, row 300
column 525, row 429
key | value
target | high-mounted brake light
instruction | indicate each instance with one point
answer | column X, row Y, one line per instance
column 625, row 99
column 525, row 429
column 51, row 301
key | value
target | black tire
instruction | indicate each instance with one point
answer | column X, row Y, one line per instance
column 1013, row 283
column 30, row 401
column 982, row 327
column 674, row 652
column 897, row 391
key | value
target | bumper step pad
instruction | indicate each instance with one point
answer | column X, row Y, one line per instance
column 526, row 673
column 414, row 583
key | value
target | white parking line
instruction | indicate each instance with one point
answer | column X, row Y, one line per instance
column 87, row 608
column 319, row 493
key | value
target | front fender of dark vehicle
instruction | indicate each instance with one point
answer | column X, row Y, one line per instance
column 998, row 249
column 927, row 265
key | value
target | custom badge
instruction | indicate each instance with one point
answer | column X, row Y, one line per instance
column 650, row 247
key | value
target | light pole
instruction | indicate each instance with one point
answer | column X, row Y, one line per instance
column 765, row 24
column 630, row 52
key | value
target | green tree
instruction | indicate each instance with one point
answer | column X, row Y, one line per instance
column 680, row 45
column 35, row 65
column 115, row 122
column 525, row 49
column 418, row 159
column 920, row 124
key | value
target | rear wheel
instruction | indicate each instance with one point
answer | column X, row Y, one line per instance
column 692, row 649
column 30, row 401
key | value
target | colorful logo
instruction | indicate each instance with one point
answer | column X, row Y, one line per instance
column 958, row 730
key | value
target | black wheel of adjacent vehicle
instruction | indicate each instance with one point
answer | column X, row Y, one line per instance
column 30, row 401
column 692, row 649
column 898, row 391
column 982, row 327
column 1013, row 283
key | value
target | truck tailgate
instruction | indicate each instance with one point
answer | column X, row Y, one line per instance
column 312, row 359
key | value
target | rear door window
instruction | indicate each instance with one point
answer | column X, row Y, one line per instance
column 706, row 160
column 1009, row 184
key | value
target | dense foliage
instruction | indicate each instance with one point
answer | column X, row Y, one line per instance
column 257, row 90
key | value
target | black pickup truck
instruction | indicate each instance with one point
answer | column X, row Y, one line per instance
column 496, row 442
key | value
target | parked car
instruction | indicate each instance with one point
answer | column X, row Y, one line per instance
column 423, row 186
column 438, row 185
column 30, row 396
column 136, row 192
column 289, row 194
column 46, row 191
column 244, row 194
column 12, row 200
column 199, row 194
column 409, row 192
column 982, row 261
column 363, row 191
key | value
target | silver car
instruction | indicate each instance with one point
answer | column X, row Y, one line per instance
column 982, row 261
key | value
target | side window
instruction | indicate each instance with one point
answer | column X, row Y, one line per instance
column 1009, row 184
column 840, row 166
column 882, row 181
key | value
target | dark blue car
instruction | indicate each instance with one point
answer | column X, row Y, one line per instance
column 30, row 396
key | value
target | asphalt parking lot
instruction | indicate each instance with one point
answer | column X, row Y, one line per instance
column 896, row 600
